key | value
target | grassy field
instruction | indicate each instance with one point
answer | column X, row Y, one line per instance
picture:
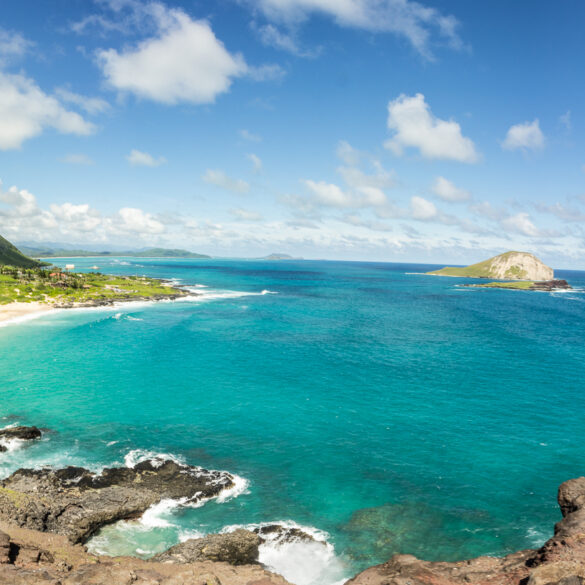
column 52, row 286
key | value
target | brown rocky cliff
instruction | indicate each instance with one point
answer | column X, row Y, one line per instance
column 561, row 561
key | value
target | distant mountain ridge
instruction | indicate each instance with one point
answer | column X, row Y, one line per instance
column 507, row 266
column 10, row 255
column 279, row 257
column 148, row 253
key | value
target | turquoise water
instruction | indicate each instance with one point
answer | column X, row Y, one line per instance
column 397, row 412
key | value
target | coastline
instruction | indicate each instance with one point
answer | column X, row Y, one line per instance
column 15, row 313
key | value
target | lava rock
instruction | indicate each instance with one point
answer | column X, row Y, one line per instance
column 236, row 548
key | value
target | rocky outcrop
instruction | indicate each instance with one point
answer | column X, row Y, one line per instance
column 283, row 534
column 17, row 434
column 48, row 559
column 236, row 548
column 561, row 561
column 22, row 433
column 551, row 285
column 76, row 502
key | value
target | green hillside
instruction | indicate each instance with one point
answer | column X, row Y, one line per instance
column 10, row 255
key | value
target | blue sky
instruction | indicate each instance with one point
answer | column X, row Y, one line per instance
column 345, row 129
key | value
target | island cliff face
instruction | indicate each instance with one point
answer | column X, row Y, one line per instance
column 507, row 266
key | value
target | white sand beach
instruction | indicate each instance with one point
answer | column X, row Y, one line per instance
column 18, row 312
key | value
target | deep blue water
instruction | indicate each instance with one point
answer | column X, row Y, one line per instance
column 396, row 411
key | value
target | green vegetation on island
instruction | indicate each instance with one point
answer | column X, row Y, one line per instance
column 10, row 254
column 48, row 252
column 507, row 266
column 59, row 288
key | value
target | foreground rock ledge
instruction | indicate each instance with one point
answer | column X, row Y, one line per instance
column 29, row 557
column 561, row 561
column 76, row 503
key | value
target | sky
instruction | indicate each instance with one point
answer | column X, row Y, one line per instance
column 386, row 130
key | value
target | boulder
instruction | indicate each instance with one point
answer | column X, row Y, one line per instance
column 236, row 548
column 22, row 433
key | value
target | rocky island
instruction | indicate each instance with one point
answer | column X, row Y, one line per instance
column 521, row 270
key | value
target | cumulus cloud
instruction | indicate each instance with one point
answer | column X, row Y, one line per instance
column 24, row 218
column 447, row 191
column 138, row 158
column 12, row 44
column 219, row 178
column 77, row 159
column 417, row 23
column 26, row 111
column 329, row 195
column 256, row 161
column 422, row 209
column 525, row 136
column 183, row 62
column 132, row 219
column 414, row 126
column 521, row 224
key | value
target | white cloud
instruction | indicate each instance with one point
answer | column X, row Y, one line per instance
column 90, row 105
column 256, row 161
column 245, row 215
column 271, row 36
column 82, row 216
column 77, row 159
column 415, row 126
column 357, row 179
column 219, row 178
column 247, row 135
column 26, row 111
column 524, row 136
column 563, row 212
column 138, row 158
column 348, row 154
column 521, row 224
column 20, row 201
column 12, row 45
column 131, row 219
column 329, row 195
column 447, row 191
column 422, row 208
column 405, row 18
column 183, row 62
column 565, row 120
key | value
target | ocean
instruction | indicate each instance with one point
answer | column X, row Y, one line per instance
column 382, row 409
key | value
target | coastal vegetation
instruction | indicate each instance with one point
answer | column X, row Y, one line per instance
column 61, row 288
column 507, row 266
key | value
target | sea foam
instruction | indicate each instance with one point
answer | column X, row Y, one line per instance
column 300, row 561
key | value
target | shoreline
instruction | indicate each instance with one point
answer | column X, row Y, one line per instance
column 16, row 313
